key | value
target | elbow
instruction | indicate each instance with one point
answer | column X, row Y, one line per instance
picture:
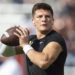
column 43, row 65
column 47, row 63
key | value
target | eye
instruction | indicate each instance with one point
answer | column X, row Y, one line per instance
column 48, row 16
column 40, row 16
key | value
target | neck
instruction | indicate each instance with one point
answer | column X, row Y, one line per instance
column 41, row 35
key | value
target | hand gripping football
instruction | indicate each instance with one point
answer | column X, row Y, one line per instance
column 8, row 38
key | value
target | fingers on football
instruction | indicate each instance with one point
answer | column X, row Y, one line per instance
column 16, row 34
column 24, row 30
column 19, row 31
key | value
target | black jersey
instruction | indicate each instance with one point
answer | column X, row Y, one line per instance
column 57, row 68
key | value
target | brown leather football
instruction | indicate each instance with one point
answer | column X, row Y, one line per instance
column 8, row 38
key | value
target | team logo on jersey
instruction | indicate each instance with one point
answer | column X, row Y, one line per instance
column 41, row 42
column 30, row 42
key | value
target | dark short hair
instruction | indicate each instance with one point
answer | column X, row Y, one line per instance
column 44, row 6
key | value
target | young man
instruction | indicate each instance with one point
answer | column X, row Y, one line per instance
column 46, row 51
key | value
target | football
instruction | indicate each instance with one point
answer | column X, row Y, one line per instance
column 8, row 37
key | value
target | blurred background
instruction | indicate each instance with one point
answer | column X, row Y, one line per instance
column 18, row 12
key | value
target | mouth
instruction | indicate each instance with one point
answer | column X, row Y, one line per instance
column 44, row 25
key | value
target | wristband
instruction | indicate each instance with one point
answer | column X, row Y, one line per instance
column 27, row 48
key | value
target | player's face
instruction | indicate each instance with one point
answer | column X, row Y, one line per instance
column 42, row 20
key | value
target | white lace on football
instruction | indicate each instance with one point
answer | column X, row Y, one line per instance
column 6, row 34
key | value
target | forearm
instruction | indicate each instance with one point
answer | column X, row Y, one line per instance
column 38, row 58
column 45, row 58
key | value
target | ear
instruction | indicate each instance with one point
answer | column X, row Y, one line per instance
column 33, row 21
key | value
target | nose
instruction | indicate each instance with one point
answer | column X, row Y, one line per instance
column 44, row 18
